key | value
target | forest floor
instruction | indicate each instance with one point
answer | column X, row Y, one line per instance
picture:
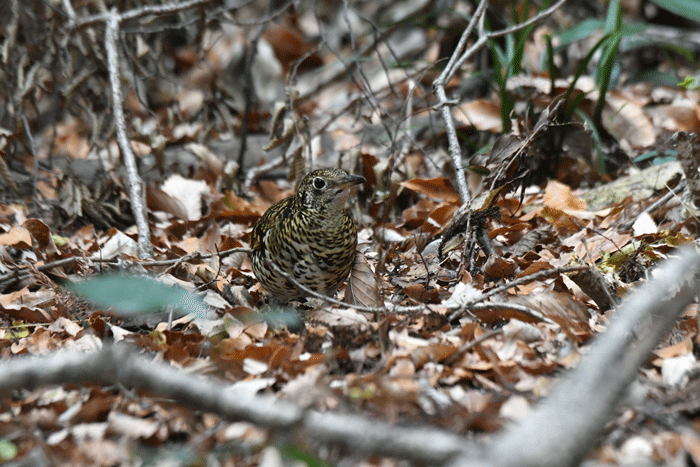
column 457, row 338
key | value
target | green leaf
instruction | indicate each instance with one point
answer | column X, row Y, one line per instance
column 8, row 450
column 283, row 317
column 653, row 76
column 18, row 330
column 607, row 69
column 596, row 139
column 300, row 454
column 658, row 158
column 59, row 241
column 579, row 71
column 686, row 8
column 501, row 69
column 645, row 156
column 580, row 31
column 483, row 171
column 630, row 29
column 613, row 19
column 664, row 160
column 690, row 82
column 549, row 60
column 682, row 51
column 137, row 295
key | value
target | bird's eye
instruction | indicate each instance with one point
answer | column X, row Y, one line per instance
column 319, row 183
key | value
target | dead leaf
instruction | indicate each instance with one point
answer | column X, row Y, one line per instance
column 18, row 237
column 438, row 188
column 626, row 120
column 362, row 288
column 482, row 114
column 499, row 268
column 559, row 196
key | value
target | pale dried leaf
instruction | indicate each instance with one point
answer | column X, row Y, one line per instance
column 362, row 288
column 482, row 114
column 439, row 188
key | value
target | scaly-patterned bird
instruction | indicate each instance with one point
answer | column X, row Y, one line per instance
column 307, row 235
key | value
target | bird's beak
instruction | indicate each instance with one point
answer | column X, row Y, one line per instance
column 349, row 181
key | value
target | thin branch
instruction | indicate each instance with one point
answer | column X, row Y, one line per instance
column 27, row 271
column 35, row 157
column 601, row 284
column 136, row 13
column 253, row 173
column 134, row 180
column 70, row 12
column 451, row 66
column 672, row 193
column 455, row 149
column 449, row 361
column 502, row 32
column 251, row 51
column 439, row 86
column 527, row 311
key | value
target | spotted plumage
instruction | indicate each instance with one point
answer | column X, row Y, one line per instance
column 308, row 235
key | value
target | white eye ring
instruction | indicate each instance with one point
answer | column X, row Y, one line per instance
column 319, row 183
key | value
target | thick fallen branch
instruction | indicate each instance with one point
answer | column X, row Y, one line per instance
column 559, row 433
column 569, row 423
column 122, row 364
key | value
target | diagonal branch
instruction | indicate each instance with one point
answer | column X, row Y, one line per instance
column 566, row 426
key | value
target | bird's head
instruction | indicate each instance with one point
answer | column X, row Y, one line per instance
column 327, row 189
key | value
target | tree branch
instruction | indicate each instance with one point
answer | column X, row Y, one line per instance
column 122, row 364
column 566, row 426
column 134, row 180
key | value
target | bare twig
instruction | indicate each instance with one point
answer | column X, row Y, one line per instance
column 134, row 180
column 602, row 285
column 254, row 172
column 167, row 8
column 439, row 86
column 656, row 204
column 69, row 10
column 35, row 158
column 460, row 309
column 208, row 15
column 471, row 344
column 248, row 90
column 527, row 311
column 23, row 272
column 10, row 32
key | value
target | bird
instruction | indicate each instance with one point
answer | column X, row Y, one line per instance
column 309, row 236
